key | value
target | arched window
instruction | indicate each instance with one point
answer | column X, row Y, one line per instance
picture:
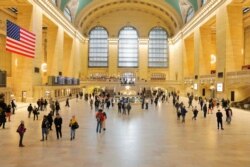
column 128, row 47
column 67, row 14
column 158, row 48
column 190, row 14
column 98, row 47
column 54, row 2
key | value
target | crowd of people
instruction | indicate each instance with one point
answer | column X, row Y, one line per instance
column 103, row 101
column 207, row 106
column 47, row 122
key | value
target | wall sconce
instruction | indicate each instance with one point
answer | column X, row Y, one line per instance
column 212, row 87
column 44, row 67
column 212, row 59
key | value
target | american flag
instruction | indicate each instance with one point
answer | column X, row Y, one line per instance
column 20, row 41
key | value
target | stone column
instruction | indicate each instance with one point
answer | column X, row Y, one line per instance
column 77, row 58
column 189, row 57
column 24, row 78
column 197, row 53
column 235, row 38
column 143, row 59
column 52, row 42
column 229, row 37
column 68, row 52
column 113, row 57
column 207, row 49
column 84, row 69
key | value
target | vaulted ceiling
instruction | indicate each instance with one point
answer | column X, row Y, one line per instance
column 173, row 3
column 142, row 14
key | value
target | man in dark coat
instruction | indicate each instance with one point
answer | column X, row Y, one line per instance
column 3, row 108
column 219, row 116
column 205, row 110
column 58, row 125
column 183, row 113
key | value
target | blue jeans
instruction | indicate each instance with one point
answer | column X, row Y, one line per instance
column 72, row 133
column 99, row 127
column 44, row 133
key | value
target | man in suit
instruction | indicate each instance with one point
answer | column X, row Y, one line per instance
column 58, row 125
column 219, row 116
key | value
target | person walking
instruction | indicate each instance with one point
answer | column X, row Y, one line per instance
column 219, row 116
column 128, row 108
column 156, row 101
column 45, row 103
column 190, row 101
column 8, row 112
column 67, row 103
column 58, row 125
column 13, row 106
column 119, row 107
column 91, row 103
column 45, row 127
column 195, row 112
column 29, row 109
column 210, row 106
column 73, row 124
column 57, row 106
column 147, row 102
column 201, row 102
column 124, row 107
column 52, row 107
column 77, row 96
column 143, row 102
column 178, row 107
column 2, row 118
column 21, row 130
column 35, row 113
column 50, row 120
column 183, row 113
column 229, row 115
column 99, row 119
column 104, row 121
column 205, row 110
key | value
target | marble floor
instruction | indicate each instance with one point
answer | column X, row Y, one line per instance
column 153, row 138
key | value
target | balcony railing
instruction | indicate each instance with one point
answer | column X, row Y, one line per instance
column 238, row 74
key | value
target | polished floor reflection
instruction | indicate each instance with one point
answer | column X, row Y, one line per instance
column 143, row 139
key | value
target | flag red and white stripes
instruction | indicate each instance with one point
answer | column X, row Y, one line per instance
column 20, row 41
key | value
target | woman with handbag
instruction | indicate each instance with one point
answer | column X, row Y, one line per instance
column 21, row 130
column 73, row 126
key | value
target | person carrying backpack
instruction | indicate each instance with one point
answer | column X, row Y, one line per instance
column 99, row 119
column 73, row 126
column 45, row 127
column 21, row 130
column 35, row 113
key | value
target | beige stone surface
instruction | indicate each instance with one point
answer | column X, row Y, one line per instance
column 143, row 139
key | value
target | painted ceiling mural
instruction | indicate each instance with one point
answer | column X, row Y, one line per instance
column 183, row 7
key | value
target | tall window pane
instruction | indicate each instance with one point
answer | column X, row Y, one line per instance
column 67, row 14
column 98, row 47
column 158, row 48
column 128, row 48
column 190, row 14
